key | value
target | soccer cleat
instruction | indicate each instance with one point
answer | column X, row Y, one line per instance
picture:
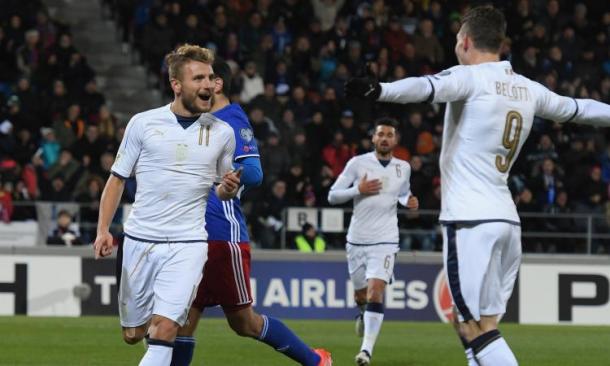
column 360, row 325
column 363, row 358
column 325, row 358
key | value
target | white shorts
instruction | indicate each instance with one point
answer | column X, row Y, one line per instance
column 159, row 279
column 370, row 261
column 481, row 263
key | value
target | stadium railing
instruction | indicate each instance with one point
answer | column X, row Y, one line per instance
column 578, row 233
column 582, row 233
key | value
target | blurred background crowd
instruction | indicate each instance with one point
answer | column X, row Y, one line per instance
column 290, row 58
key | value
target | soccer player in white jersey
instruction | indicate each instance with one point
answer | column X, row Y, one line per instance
column 376, row 181
column 176, row 152
column 489, row 114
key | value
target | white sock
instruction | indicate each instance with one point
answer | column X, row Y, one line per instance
column 372, row 326
column 157, row 355
column 470, row 357
column 497, row 353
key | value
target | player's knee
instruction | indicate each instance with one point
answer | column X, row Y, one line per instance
column 374, row 295
column 244, row 329
column 163, row 329
column 360, row 298
column 132, row 335
column 186, row 331
column 469, row 330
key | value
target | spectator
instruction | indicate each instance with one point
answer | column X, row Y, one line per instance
column 326, row 11
column 107, row 124
column 351, row 135
column 91, row 145
column 427, row 45
column 270, row 215
column 282, row 38
column 267, row 102
column 66, row 232
column 299, row 105
column 262, row 126
column 49, row 148
column 7, row 141
column 337, row 153
column 29, row 54
column 6, row 203
column 25, row 147
column 252, row 83
column 546, row 185
column 395, row 37
column 71, row 128
column 274, row 157
column 58, row 102
column 66, row 168
column 594, row 192
column 91, row 100
column 251, row 33
column 296, row 181
column 309, row 241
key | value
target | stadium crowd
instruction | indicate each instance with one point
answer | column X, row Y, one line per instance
column 290, row 59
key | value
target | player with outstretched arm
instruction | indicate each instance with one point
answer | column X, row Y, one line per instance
column 489, row 114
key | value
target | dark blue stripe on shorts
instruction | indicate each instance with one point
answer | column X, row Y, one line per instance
column 454, row 275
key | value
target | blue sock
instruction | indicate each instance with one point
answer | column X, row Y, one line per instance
column 183, row 351
column 283, row 340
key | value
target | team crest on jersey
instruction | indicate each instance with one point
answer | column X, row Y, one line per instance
column 246, row 134
column 181, row 152
column 398, row 171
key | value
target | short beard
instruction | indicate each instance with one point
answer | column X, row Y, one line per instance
column 189, row 105
column 383, row 150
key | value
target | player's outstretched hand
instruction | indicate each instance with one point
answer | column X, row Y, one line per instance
column 103, row 245
column 363, row 88
column 412, row 203
column 369, row 187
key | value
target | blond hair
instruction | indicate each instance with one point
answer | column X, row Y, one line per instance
column 183, row 54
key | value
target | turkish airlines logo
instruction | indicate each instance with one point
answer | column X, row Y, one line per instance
column 442, row 298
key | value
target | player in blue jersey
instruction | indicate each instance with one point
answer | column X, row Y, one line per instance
column 227, row 272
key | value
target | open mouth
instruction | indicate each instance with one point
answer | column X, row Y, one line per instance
column 205, row 97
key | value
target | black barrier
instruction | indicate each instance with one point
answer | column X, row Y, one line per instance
column 100, row 276
column 19, row 288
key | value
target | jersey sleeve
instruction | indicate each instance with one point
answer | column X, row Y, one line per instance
column 447, row 86
column 405, row 188
column 344, row 189
column 225, row 160
column 453, row 84
column 129, row 150
column 565, row 109
column 552, row 106
column 245, row 143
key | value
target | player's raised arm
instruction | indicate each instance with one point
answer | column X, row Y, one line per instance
column 565, row 109
column 449, row 85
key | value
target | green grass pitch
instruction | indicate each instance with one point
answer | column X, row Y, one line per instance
column 97, row 341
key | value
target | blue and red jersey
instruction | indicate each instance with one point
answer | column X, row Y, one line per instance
column 224, row 219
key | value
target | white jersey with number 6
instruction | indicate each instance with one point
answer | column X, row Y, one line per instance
column 374, row 219
column 490, row 111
